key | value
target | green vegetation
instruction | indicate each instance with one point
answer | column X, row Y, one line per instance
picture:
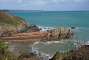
column 11, row 23
column 5, row 54
column 10, row 20
column 3, row 45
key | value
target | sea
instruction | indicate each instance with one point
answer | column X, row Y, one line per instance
column 77, row 19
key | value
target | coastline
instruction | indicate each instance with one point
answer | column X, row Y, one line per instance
column 39, row 38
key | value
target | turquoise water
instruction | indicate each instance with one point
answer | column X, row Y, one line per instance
column 79, row 19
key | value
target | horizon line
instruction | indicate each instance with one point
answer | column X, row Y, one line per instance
column 37, row 10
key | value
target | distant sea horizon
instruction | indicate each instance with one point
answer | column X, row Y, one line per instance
column 54, row 18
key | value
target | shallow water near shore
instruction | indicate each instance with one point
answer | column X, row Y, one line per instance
column 55, row 46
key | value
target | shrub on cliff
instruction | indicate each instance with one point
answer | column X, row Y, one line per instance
column 5, row 54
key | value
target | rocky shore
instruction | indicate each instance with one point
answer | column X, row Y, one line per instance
column 14, row 29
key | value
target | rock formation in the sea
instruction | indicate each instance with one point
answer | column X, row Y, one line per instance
column 33, row 28
column 61, row 33
column 81, row 53
column 10, row 24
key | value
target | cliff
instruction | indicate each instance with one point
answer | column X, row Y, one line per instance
column 11, row 23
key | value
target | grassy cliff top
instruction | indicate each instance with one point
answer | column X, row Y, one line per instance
column 6, row 19
column 9, row 22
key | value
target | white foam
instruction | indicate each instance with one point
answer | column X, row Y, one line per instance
column 51, row 42
column 43, row 28
column 87, row 43
column 36, row 43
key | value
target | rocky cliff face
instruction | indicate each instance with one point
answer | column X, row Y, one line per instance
column 11, row 23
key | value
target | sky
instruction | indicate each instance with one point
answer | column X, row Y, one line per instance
column 49, row 5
